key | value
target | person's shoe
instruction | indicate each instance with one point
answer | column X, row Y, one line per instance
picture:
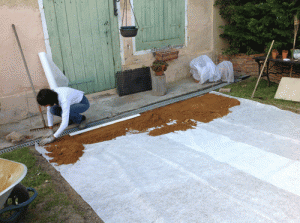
column 82, row 125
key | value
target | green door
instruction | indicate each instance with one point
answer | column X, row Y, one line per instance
column 84, row 41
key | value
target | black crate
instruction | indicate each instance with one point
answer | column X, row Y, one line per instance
column 133, row 81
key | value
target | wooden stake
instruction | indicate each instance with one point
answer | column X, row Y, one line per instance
column 296, row 26
column 262, row 70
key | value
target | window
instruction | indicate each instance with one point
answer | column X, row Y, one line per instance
column 161, row 23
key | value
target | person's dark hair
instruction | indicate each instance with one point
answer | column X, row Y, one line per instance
column 47, row 97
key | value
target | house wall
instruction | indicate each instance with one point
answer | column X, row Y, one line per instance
column 14, row 82
column 219, row 43
column 202, row 37
column 16, row 97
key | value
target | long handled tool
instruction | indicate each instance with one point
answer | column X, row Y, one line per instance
column 296, row 27
column 262, row 70
column 26, row 67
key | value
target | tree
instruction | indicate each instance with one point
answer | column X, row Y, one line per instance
column 252, row 25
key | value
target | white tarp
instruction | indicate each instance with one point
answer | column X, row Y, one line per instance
column 54, row 76
column 203, row 69
column 239, row 168
column 225, row 71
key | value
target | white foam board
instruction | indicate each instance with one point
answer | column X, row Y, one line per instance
column 288, row 89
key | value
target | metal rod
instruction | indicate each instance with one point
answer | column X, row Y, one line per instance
column 262, row 70
column 102, row 125
column 27, row 71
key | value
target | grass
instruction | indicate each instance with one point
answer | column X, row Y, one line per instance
column 41, row 209
column 263, row 93
column 35, row 177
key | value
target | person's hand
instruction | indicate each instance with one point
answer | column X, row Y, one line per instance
column 47, row 140
column 49, row 133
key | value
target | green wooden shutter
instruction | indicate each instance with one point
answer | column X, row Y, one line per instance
column 162, row 23
column 83, row 39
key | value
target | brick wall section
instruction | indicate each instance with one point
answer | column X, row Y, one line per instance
column 245, row 65
column 242, row 63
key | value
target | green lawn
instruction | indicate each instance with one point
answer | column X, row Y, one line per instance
column 263, row 94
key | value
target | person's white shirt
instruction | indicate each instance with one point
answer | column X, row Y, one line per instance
column 66, row 97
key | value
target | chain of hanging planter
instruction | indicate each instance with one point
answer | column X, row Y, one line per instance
column 128, row 31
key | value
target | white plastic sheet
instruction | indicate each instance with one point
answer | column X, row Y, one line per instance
column 203, row 69
column 54, row 76
column 225, row 70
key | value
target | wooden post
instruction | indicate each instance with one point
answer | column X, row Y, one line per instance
column 296, row 26
column 159, row 84
column 262, row 70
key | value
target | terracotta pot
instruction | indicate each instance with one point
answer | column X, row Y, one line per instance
column 159, row 73
column 284, row 54
column 274, row 53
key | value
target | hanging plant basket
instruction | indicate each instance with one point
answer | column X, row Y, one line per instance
column 129, row 31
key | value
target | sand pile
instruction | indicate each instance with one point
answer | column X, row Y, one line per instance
column 179, row 116
column 9, row 174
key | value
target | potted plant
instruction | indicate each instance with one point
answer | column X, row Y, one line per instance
column 274, row 54
column 284, row 54
column 159, row 66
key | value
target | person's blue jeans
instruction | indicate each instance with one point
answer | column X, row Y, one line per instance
column 75, row 110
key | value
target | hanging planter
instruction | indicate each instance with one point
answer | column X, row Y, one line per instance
column 125, row 30
column 129, row 31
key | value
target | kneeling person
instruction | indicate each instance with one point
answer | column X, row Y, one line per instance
column 65, row 102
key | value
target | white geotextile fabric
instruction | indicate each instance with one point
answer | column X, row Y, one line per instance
column 240, row 168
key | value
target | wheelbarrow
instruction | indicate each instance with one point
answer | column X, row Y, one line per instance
column 14, row 197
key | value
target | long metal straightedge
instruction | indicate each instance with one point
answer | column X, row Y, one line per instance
column 125, row 114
